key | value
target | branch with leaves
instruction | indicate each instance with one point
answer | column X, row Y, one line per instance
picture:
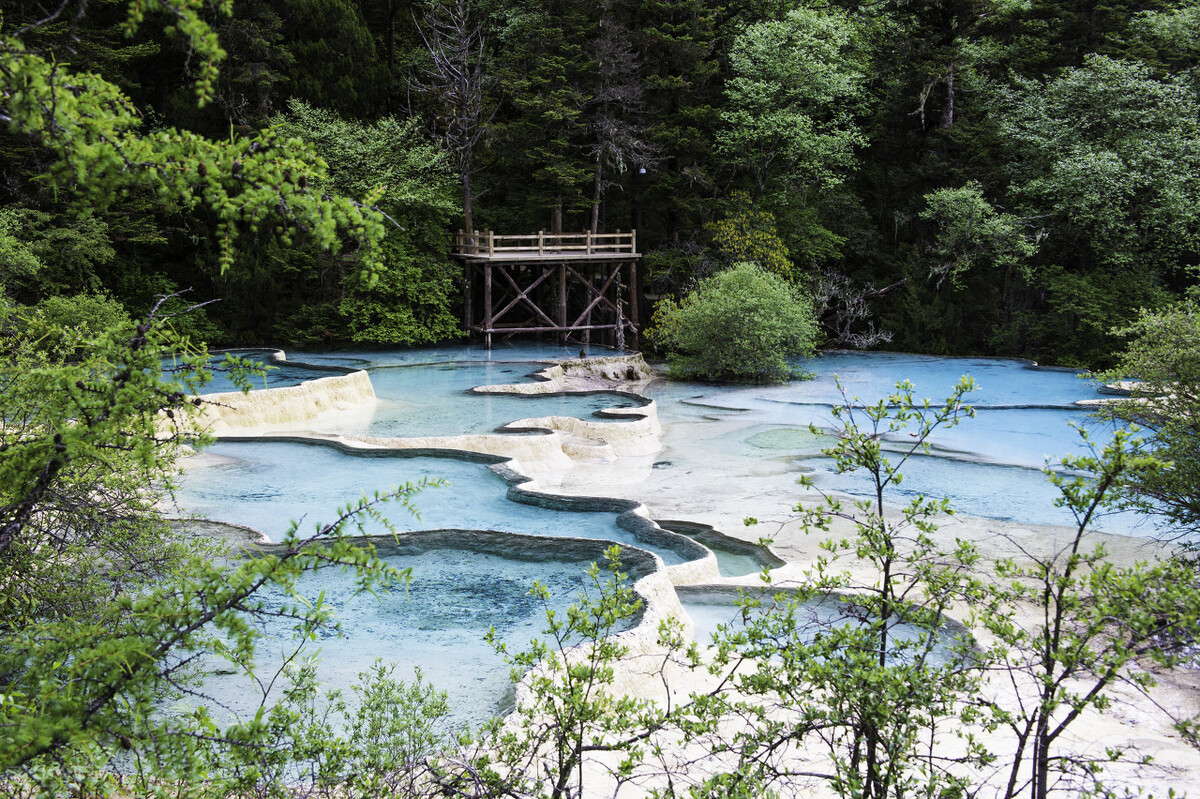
column 101, row 151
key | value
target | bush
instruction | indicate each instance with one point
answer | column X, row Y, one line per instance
column 742, row 324
column 76, row 318
column 1163, row 357
column 87, row 314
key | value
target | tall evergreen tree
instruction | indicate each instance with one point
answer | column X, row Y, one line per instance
column 675, row 41
column 547, row 76
column 616, row 115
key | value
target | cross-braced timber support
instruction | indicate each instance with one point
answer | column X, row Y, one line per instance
column 570, row 284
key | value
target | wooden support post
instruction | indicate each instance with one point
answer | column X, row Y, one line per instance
column 562, row 302
column 468, row 317
column 619, row 331
column 633, row 303
column 541, row 242
column 487, row 302
column 587, row 332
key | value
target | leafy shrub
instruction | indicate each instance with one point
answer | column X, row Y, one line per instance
column 88, row 314
column 1163, row 355
column 749, row 233
column 742, row 324
column 410, row 303
column 317, row 325
column 73, row 319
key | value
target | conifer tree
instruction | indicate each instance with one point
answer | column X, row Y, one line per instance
column 547, row 78
column 676, row 46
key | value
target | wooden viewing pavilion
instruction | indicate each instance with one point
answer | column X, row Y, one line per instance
column 563, row 283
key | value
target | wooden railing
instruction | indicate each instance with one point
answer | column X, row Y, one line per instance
column 543, row 244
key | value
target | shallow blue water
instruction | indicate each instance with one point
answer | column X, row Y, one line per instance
column 279, row 374
column 426, row 392
column 267, row 485
column 999, row 382
column 437, row 624
column 1024, row 419
column 990, row 465
column 521, row 351
column 434, row 400
column 714, row 609
column 1009, row 493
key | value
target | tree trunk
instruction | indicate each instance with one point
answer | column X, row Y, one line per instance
column 1041, row 759
column 468, row 216
column 596, row 199
column 948, row 108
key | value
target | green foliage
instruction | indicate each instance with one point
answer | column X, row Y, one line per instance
column 1103, row 156
column 411, row 304
column 1171, row 34
column 971, row 233
column 100, row 154
column 396, row 726
column 105, row 610
column 677, row 269
column 333, row 61
column 865, row 672
column 259, row 62
column 793, row 87
column 81, row 695
column 731, row 786
column 740, row 324
column 1092, row 624
column 1082, row 307
column 568, row 705
column 790, row 122
column 79, row 442
column 379, row 740
column 1110, row 152
column 18, row 257
column 1162, row 355
column 411, row 300
column 548, row 77
column 883, row 690
column 749, row 234
column 678, row 54
column 86, row 315
column 41, row 254
column 846, row 124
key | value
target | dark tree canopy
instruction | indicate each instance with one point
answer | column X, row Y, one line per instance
column 1042, row 155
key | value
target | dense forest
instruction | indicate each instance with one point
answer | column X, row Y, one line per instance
column 944, row 176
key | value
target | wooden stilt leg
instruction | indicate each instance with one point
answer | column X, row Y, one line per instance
column 634, row 319
column 487, row 304
column 562, row 302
